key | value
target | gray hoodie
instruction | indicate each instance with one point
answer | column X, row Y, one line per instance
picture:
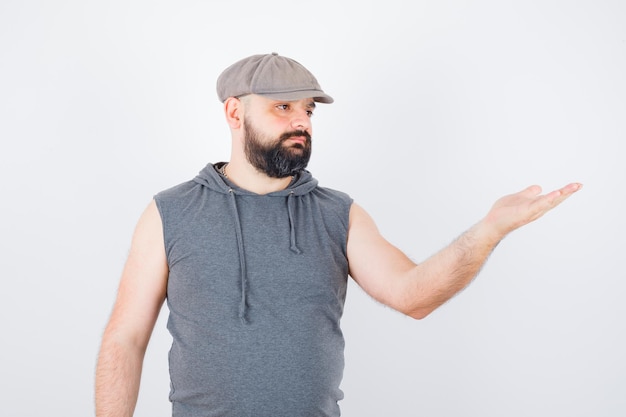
column 256, row 290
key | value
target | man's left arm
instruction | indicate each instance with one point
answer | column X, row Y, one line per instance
column 416, row 290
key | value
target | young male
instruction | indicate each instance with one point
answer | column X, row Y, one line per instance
column 253, row 256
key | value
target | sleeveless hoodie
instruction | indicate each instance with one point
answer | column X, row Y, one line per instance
column 256, row 290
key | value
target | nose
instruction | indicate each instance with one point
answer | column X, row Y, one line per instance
column 301, row 121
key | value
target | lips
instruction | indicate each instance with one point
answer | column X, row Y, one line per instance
column 298, row 139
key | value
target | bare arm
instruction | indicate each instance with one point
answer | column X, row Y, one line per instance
column 389, row 276
column 140, row 297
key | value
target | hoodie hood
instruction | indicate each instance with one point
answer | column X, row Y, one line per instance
column 302, row 183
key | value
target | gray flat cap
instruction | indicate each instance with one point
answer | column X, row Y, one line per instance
column 272, row 76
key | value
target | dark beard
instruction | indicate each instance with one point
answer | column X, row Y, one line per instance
column 275, row 159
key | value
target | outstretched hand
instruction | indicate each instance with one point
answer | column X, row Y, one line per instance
column 515, row 210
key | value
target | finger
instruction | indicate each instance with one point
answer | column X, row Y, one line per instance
column 561, row 194
column 556, row 197
column 571, row 188
column 532, row 190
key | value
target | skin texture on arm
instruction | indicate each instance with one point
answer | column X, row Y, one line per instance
column 140, row 296
column 390, row 277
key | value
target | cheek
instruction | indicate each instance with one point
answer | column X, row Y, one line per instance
column 273, row 125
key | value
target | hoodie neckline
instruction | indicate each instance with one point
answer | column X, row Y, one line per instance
column 209, row 176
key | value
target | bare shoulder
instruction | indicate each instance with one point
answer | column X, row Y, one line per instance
column 143, row 283
column 149, row 225
column 147, row 263
column 360, row 220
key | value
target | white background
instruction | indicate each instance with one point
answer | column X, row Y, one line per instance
column 441, row 108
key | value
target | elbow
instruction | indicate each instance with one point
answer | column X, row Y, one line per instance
column 419, row 308
column 414, row 309
column 418, row 314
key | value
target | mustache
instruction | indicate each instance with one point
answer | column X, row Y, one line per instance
column 288, row 135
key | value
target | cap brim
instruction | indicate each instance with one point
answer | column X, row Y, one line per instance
column 316, row 95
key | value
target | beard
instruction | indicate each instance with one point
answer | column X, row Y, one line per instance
column 274, row 158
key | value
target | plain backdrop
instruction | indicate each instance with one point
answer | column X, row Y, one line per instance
column 441, row 108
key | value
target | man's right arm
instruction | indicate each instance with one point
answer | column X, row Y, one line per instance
column 139, row 299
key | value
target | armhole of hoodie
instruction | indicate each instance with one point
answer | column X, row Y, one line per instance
column 162, row 214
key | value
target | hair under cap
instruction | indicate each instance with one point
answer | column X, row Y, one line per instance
column 272, row 76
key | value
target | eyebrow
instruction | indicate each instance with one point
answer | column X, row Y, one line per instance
column 311, row 105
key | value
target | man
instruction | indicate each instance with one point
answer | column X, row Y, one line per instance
column 253, row 257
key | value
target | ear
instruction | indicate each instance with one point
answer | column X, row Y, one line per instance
column 233, row 110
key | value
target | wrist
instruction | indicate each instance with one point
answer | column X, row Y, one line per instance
column 488, row 232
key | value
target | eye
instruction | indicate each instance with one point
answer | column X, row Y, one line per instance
column 309, row 113
column 282, row 106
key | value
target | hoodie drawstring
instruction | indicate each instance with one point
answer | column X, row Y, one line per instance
column 243, row 307
column 292, row 228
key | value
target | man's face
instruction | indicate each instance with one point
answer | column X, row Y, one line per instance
column 286, row 150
